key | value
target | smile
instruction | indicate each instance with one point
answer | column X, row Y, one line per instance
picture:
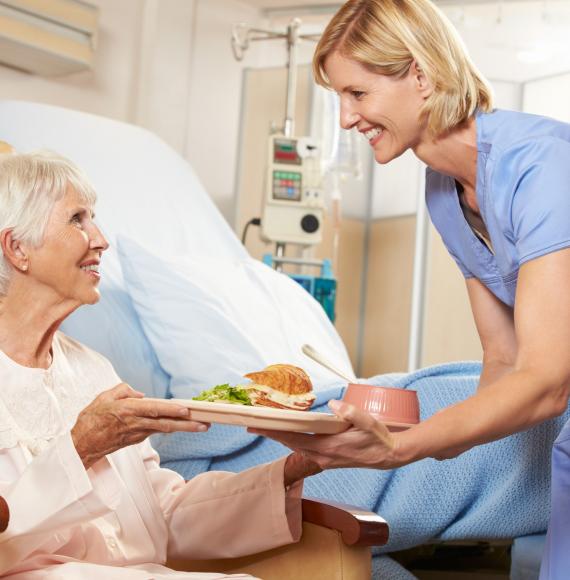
column 372, row 134
column 92, row 267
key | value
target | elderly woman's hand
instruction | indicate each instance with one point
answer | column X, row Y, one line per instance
column 298, row 466
column 121, row 417
column 367, row 443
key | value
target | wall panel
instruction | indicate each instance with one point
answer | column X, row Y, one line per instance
column 449, row 327
column 388, row 295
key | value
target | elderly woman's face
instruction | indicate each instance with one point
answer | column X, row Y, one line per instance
column 67, row 262
column 385, row 109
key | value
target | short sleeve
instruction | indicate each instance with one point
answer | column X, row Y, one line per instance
column 540, row 208
column 464, row 269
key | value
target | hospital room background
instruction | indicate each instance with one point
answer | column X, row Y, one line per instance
column 168, row 66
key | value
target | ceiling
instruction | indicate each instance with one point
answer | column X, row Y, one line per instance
column 510, row 40
column 330, row 4
column 276, row 4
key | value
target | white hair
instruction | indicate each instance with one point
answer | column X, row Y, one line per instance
column 30, row 186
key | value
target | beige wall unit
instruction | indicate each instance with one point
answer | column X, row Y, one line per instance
column 349, row 276
column 449, row 328
column 449, row 332
column 48, row 37
column 388, row 295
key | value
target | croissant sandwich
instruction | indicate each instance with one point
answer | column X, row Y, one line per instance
column 281, row 386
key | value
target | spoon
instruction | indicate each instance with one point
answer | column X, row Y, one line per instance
column 319, row 358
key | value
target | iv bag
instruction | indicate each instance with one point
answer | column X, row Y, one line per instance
column 341, row 151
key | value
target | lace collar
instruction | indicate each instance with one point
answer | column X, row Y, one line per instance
column 38, row 405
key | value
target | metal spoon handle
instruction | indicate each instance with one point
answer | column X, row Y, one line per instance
column 318, row 357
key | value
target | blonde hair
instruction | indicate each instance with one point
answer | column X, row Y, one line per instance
column 30, row 186
column 386, row 36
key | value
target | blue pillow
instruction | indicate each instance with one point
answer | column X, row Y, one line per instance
column 112, row 328
column 211, row 320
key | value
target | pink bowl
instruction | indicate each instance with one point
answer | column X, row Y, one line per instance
column 385, row 403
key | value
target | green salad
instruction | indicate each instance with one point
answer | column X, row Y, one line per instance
column 225, row 394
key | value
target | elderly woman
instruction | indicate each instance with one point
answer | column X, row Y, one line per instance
column 86, row 493
column 498, row 191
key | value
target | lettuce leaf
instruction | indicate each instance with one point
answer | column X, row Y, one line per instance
column 225, row 394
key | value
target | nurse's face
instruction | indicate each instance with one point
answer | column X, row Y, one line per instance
column 385, row 109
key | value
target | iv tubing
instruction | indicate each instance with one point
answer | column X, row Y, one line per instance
column 336, row 219
column 292, row 40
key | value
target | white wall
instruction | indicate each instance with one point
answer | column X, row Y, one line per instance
column 548, row 96
column 163, row 83
column 215, row 97
column 514, row 40
column 166, row 65
column 507, row 94
column 107, row 90
column 395, row 187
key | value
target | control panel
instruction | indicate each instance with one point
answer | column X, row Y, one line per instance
column 293, row 203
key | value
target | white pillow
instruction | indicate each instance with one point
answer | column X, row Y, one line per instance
column 210, row 321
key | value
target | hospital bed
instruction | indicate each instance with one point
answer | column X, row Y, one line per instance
column 151, row 199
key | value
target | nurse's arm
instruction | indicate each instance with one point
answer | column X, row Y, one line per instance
column 496, row 327
column 535, row 390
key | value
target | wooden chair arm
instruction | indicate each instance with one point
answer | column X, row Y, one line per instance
column 335, row 543
column 4, row 514
column 357, row 527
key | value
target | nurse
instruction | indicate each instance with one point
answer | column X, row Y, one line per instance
column 498, row 192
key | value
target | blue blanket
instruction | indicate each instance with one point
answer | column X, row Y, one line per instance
column 494, row 491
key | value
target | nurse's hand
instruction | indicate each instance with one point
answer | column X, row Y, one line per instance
column 121, row 417
column 367, row 443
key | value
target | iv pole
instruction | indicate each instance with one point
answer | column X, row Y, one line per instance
column 242, row 35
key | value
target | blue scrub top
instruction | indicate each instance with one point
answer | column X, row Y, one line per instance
column 523, row 190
